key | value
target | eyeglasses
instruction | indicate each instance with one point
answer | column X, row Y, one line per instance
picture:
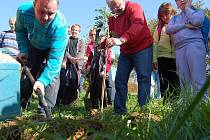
column 115, row 7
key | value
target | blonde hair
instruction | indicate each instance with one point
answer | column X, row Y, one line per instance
column 12, row 18
column 166, row 8
column 75, row 25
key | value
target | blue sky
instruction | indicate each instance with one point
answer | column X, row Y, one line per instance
column 79, row 11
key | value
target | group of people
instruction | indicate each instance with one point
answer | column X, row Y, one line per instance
column 176, row 50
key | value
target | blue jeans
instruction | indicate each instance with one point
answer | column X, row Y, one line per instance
column 109, row 86
column 142, row 62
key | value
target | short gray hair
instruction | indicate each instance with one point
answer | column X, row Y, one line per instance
column 11, row 19
column 108, row 1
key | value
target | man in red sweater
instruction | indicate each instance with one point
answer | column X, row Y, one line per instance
column 132, row 34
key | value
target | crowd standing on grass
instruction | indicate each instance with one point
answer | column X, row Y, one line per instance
column 57, row 57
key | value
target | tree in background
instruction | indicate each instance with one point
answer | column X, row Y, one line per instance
column 102, row 20
column 152, row 24
column 200, row 5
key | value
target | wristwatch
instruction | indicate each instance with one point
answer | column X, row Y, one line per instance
column 122, row 40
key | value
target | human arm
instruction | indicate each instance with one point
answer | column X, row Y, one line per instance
column 174, row 27
column 1, row 38
column 21, row 33
column 21, row 37
column 58, row 45
column 195, row 16
column 131, row 24
column 114, row 42
column 81, row 51
column 64, row 63
column 72, row 59
column 137, row 23
column 68, row 56
column 81, row 54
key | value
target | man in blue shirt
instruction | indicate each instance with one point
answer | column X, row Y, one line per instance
column 41, row 32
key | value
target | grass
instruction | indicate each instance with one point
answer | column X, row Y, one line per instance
column 154, row 121
column 187, row 118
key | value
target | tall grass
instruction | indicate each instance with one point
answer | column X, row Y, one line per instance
column 186, row 118
column 189, row 110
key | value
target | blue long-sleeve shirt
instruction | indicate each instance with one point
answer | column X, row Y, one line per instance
column 53, row 36
column 181, row 34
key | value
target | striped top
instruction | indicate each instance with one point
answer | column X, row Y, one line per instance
column 8, row 42
column 53, row 36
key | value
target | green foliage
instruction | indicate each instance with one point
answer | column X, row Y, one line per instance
column 102, row 19
column 198, row 4
column 153, row 121
column 189, row 109
column 207, row 12
column 152, row 24
column 86, row 84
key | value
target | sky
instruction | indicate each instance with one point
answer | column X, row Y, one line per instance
column 80, row 11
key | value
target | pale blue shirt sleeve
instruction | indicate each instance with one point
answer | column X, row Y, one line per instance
column 174, row 27
column 195, row 16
